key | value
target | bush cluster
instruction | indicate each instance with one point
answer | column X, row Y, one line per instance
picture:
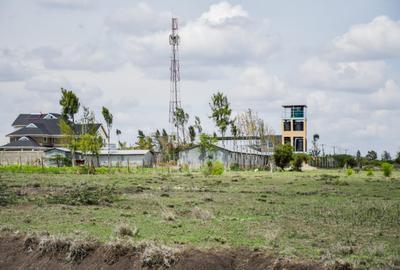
column 387, row 169
column 298, row 160
column 213, row 168
column 85, row 194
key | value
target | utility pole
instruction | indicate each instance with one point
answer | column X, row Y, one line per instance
column 175, row 101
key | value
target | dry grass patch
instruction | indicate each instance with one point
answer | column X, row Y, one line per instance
column 154, row 255
column 202, row 214
column 124, row 230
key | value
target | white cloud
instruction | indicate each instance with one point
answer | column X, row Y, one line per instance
column 137, row 20
column 254, row 83
column 362, row 77
column 206, row 41
column 96, row 56
column 65, row 4
column 387, row 97
column 222, row 12
column 13, row 67
column 378, row 39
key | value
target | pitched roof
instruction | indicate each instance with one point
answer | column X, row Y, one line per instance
column 26, row 118
column 41, row 127
column 24, row 142
column 48, row 127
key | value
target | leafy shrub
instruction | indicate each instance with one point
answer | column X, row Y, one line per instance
column 85, row 194
column 213, row 168
column 234, row 166
column 6, row 195
column 349, row 171
column 370, row 172
column 217, row 168
column 345, row 160
column 298, row 160
column 387, row 169
column 283, row 155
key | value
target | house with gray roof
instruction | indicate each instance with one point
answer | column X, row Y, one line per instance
column 41, row 131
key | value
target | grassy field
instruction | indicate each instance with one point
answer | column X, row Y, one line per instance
column 319, row 215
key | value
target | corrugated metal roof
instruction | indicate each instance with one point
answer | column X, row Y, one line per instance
column 124, row 152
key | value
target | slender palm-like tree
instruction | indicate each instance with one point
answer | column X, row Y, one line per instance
column 118, row 132
column 108, row 118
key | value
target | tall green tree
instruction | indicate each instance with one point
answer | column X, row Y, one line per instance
column 386, row 156
column 197, row 125
column 221, row 112
column 181, row 118
column 69, row 104
column 371, row 155
column 118, row 133
column 90, row 144
column 143, row 142
column 192, row 134
column 108, row 118
column 207, row 145
column 69, row 107
column 359, row 159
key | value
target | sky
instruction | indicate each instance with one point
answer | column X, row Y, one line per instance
column 340, row 58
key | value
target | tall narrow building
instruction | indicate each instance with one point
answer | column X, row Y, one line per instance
column 294, row 127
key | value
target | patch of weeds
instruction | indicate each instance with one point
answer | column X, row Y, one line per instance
column 79, row 250
column 349, row 171
column 168, row 215
column 114, row 250
column 7, row 196
column 52, row 246
column 85, row 194
column 340, row 183
column 155, row 256
column 124, row 230
column 202, row 214
column 327, row 178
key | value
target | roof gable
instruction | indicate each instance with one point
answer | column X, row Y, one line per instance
column 26, row 118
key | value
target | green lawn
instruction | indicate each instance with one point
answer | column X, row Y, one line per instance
column 321, row 215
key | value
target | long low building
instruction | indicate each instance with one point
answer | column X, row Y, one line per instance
column 124, row 158
column 242, row 157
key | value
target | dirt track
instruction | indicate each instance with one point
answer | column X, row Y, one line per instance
column 17, row 253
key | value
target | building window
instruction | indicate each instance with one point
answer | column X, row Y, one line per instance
column 298, row 112
column 287, row 125
column 298, row 125
column 286, row 140
column 298, row 144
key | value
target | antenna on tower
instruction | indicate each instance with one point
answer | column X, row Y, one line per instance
column 175, row 101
